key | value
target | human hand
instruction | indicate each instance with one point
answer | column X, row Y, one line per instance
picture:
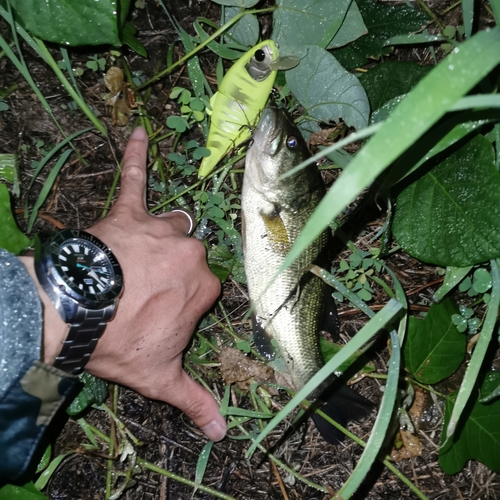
column 167, row 288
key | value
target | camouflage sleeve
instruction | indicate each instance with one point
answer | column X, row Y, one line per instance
column 32, row 393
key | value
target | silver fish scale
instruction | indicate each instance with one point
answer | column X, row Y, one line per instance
column 289, row 313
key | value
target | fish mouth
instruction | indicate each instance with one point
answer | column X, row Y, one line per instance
column 270, row 130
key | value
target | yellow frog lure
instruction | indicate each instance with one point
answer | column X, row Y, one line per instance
column 241, row 96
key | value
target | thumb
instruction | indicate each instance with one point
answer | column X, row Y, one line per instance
column 200, row 406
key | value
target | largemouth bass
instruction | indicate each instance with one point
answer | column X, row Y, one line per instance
column 295, row 307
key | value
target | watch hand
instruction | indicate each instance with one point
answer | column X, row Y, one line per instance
column 81, row 265
column 92, row 274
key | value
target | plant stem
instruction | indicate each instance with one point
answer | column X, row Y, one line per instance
column 203, row 44
column 183, row 480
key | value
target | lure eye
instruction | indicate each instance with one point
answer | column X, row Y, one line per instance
column 292, row 142
column 259, row 55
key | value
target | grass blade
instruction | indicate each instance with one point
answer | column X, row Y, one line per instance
column 471, row 374
column 201, row 465
column 468, row 16
column 49, row 182
column 384, row 417
column 454, row 275
column 47, row 56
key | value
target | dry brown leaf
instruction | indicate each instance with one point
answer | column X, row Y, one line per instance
column 411, row 446
column 240, row 369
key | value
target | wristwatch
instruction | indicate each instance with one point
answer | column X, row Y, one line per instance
column 83, row 279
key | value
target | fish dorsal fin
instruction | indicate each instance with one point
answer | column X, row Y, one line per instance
column 276, row 233
column 263, row 342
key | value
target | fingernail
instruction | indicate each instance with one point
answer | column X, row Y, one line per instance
column 139, row 134
column 215, row 430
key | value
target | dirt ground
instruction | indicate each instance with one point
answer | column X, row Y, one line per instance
column 167, row 439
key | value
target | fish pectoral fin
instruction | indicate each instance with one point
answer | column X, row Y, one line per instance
column 263, row 342
column 276, row 233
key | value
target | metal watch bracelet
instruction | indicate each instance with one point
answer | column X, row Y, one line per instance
column 81, row 341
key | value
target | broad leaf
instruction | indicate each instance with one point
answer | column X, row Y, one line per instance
column 349, row 58
column 383, row 22
column 306, row 22
column 449, row 217
column 391, row 79
column 74, row 22
column 245, row 31
column 326, row 90
column 434, row 347
column 11, row 238
column 479, row 437
column 351, row 29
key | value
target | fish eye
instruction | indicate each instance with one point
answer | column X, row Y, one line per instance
column 259, row 55
column 292, row 142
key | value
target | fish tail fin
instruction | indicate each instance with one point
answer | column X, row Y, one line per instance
column 343, row 407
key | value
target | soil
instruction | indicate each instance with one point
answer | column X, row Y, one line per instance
column 167, row 439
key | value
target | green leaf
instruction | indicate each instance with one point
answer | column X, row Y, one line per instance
column 434, row 347
column 11, row 238
column 383, row 22
column 237, row 3
column 492, row 390
column 200, row 153
column 74, row 22
column 129, row 38
column 45, row 476
column 482, row 280
column 391, row 79
column 245, row 31
column 476, row 362
column 221, row 261
column 26, row 492
column 201, row 465
column 479, row 438
column 329, row 349
column 454, row 276
column 306, row 22
column 9, row 171
column 177, row 123
column 351, row 29
column 449, row 217
column 349, row 58
column 47, row 186
column 329, row 92
column 95, row 391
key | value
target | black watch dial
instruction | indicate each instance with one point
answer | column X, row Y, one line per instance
column 86, row 266
column 78, row 265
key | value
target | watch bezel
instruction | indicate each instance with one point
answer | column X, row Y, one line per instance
column 49, row 245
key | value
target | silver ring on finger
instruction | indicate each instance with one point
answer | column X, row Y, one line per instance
column 190, row 216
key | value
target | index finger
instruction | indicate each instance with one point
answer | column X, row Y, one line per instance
column 134, row 175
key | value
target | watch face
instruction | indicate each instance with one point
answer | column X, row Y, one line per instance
column 85, row 268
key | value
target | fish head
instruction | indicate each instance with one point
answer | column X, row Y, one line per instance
column 278, row 147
